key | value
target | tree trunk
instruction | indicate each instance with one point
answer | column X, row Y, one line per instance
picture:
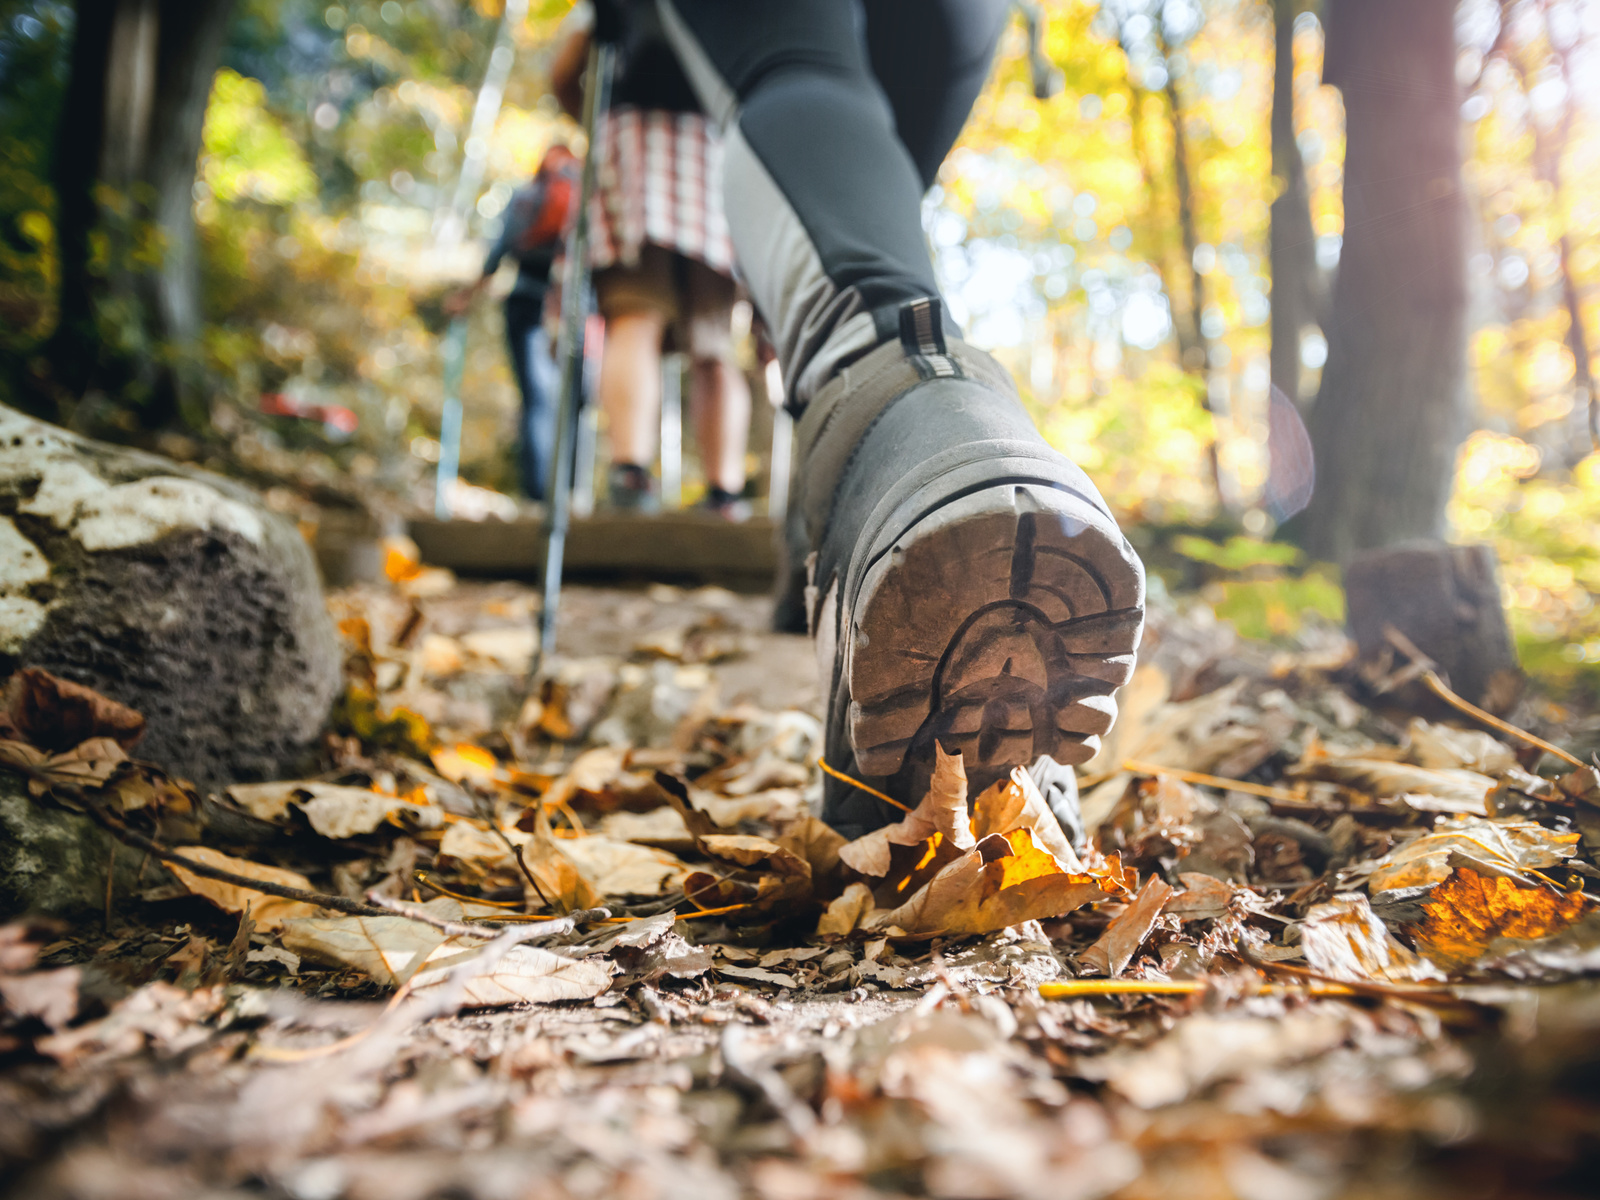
column 1391, row 409
column 1292, row 241
column 131, row 125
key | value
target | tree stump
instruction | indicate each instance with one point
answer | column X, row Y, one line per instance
column 1446, row 599
column 169, row 589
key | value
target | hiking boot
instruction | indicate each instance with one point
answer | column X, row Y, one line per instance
column 968, row 585
column 629, row 488
column 730, row 506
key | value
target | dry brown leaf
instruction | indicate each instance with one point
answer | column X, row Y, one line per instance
column 1466, row 913
column 1464, row 791
column 389, row 950
column 814, row 841
column 745, row 849
column 942, row 814
column 1344, row 938
column 846, row 912
column 1203, row 897
column 268, row 912
column 560, row 882
column 87, row 765
column 1432, row 745
column 1001, row 881
column 55, row 714
column 333, row 810
column 618, row 868
column 345, row 812
column 523, row 975
column 661, row 827
column 1128, row 929
column 592, row 771
column 1496, row 847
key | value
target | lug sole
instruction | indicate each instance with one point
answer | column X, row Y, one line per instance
column 999, row 626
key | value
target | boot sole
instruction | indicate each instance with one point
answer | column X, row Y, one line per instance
column 999, row 625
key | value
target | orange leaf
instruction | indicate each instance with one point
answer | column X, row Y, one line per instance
column 1466, row 913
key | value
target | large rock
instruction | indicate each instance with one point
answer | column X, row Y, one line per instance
column 172, row 590
column 54, row 861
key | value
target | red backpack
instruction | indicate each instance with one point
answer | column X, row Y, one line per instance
column 560, row 179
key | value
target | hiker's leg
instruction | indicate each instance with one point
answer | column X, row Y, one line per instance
column 822, row 197
column 972, row 590
column 630, row 385
column 536, row 418
column 638, row 303
column 932, row 58
column 719, row 397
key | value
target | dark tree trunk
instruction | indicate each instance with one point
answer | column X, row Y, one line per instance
column 1296, row 284
column 1391, row 409
column 131, row 124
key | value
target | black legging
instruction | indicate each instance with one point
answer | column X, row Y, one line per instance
column 836, row 115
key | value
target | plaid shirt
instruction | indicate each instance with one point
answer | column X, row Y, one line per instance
column 660, row 181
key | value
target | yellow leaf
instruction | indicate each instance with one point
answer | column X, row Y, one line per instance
column 1002, row 881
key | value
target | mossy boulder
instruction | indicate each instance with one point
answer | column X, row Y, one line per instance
column 171, row 590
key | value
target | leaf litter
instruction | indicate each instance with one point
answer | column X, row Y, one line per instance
column 595, row 942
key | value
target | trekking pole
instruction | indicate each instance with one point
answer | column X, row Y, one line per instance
column 455, row 357
column 574, row 311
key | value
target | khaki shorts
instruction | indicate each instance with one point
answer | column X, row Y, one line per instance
column 695, row 301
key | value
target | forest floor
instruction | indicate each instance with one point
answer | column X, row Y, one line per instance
column 594, row 944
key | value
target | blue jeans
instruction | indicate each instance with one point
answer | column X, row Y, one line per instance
column 533, row 362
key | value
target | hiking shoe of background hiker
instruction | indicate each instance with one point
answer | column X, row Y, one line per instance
column 730, row 506
column 968, row 586
column 629, row 488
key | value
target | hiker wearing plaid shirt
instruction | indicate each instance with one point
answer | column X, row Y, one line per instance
column 663, row 261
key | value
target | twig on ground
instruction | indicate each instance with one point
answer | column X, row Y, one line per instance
column 1216, row 781
column 157, row 850
column 1430, row 679
column 487, row 929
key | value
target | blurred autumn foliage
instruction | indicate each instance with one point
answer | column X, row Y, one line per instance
column 1133, row 299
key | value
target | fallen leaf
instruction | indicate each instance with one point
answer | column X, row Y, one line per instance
column 1128, row 929
column 559, row 881
column 467, row 842
column 1464, row 915
column 509, row 650
column 1002, row 881
column 524, row 975
column 87, row 765
column 1490, row 847
column 389, row 950
column 618, row 868
column 47, row 996
column 650, row 948
column 1466, row 790
column 55, row 714
column 1433, row 745
column 846, row 912
column 1203, row 897
column 758, row 975
column 1344, row 938
column 345, row 812
column 466, row 763
column 1017, row 803
column 268, row 912
column 942, row 814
